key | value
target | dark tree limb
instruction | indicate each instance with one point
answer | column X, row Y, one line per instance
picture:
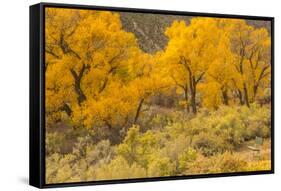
column 138, row 110
column 77, row 83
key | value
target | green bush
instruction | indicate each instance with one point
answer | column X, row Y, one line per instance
column 119, row 169
column 173, row 148
column 186, row 158
column 161, row 166
column 220, row 163
column 128, row 149
column 209, row 144
column 258, row 121
column 231, row 163
column 102, row 152
column 59, row 168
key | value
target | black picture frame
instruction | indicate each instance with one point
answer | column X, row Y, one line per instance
column 37, row 96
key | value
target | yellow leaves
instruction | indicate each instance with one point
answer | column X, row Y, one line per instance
column 229, row 52
column 107, row 110
column 251, row 49
column 120, row 169
column 211, row 94
column 176, row 30
column 97, row 70
column 187, row 157
column 161, row 166
column 88, row 56
column 194, row 42
column 101, row 86
column 147, row 74
column 259, row 165
column 140, row 64
column 191, row 51
column 58, row 89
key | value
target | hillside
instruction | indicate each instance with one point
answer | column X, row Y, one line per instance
column 150, row 28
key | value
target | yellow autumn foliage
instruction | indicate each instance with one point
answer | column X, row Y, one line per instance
column 115, row 111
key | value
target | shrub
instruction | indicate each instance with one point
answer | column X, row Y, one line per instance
column 59, row 168
column 221, row 163
column 128, row 149
column 81, row 144
column 185, row 145
column 256, row 130
column 209, row 144
column 258, row 165
column 100, row 152
column 55, row 143
column 231, row 128
column 137, row 147
column 231, row 163
column 257, row 121
column 119, row 168
column 175, row 147
column 187, row 157
column 178, row 128
column 161, row 166
column 202, row 165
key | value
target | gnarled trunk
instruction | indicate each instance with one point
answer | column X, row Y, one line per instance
column 77, row 84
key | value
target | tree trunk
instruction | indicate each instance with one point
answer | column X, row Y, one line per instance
column 81, row 96
column 225, row 97
column 246, row 95
column 67, row 109
column 77, row 84
column 193, row 94
column 193, row 102
column 255, row 89
column 240, row 97
column 186, row 100
column 138, row 110
column 193, row 84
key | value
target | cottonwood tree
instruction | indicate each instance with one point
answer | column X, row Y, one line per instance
column 251, row 49
column 218, row 85
column 191, row 50
column 148, row 79
column 87, row 55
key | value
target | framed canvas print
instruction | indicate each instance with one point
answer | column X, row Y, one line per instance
column 127, row 95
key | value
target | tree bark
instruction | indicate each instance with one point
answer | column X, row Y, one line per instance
column 240, row 97
column 67, row 109
column 262, row 75
column 77, row 84
column 193, row 102
column 192, row 87
column 186, row 99
column 192, row 83
column 255, row 89
column 225, row 97
column 246, row 97
column 193, row 94
column 138, row 110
